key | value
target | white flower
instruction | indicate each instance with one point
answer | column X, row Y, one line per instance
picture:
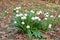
column 18, row 8
column 32, row 11
column 15, row 22
column 14, row 8
column 47, row 15
column 51, row 16
column 25, row 14
column 17, row 15
column 24, row 17
column 22, row 22
column 17, row 11
column 36, row 17
column 49, row 26
column 20, row 14
column 39, row 19
column 6, row 11
column 45, row 18
column 33, row 18
column 27, row 26
column 58, row 15
column 39, row 12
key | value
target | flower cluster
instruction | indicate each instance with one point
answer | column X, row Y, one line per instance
column 36, row 18
column 27, row 22
column 29, row 19
column 25, row 17
column 32, row 23
column 17, row 9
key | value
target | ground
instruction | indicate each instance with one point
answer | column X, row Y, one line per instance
column 6, row 32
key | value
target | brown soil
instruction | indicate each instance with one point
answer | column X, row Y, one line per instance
column 25, row 4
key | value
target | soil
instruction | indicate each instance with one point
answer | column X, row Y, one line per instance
column 8, row 5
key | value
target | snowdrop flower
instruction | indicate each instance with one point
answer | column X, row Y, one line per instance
column 25, row 14
column 51, row 16
column 33, row 18
column 17, row 11
column 14, row 8
column 47, row 15
column 45, row 18
column 17, row 15
column 39, row 19
column 58, row 15
column 36, row 17
column 24, row 17
column 15, row 22
column 27, row 26
column 32, row 11
column 49, row 26
column 18, row 7
column 39, row 12
column 6, row 11
column 20, row 14
column 22, row 22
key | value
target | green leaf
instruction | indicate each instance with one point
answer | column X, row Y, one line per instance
column 42, row 39
column 34, row 33
column 29, row 33
column 18, row 19
column 5, row 14
column 44, row 25
column 29, row 18
column 37, row 33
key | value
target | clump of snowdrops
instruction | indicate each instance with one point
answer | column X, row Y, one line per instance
column 31, row 23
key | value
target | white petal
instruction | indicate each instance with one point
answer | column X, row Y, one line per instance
column 33, row 18
column 17, row 15
column 17, row 11
column 47, row 15
column 23, row 22
column 15, row 22
column 24, row 17
column 14, row 8
column 49, row 25
column 21, row 14
column 36, row 17
column 58, row 15
column 39, row 19
column 45, row 18
column 32, row 11
column 51, row 16
column 27, row 26
column 18, row 7
column 6, row 11
column 39, row 12
column 25, row 14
